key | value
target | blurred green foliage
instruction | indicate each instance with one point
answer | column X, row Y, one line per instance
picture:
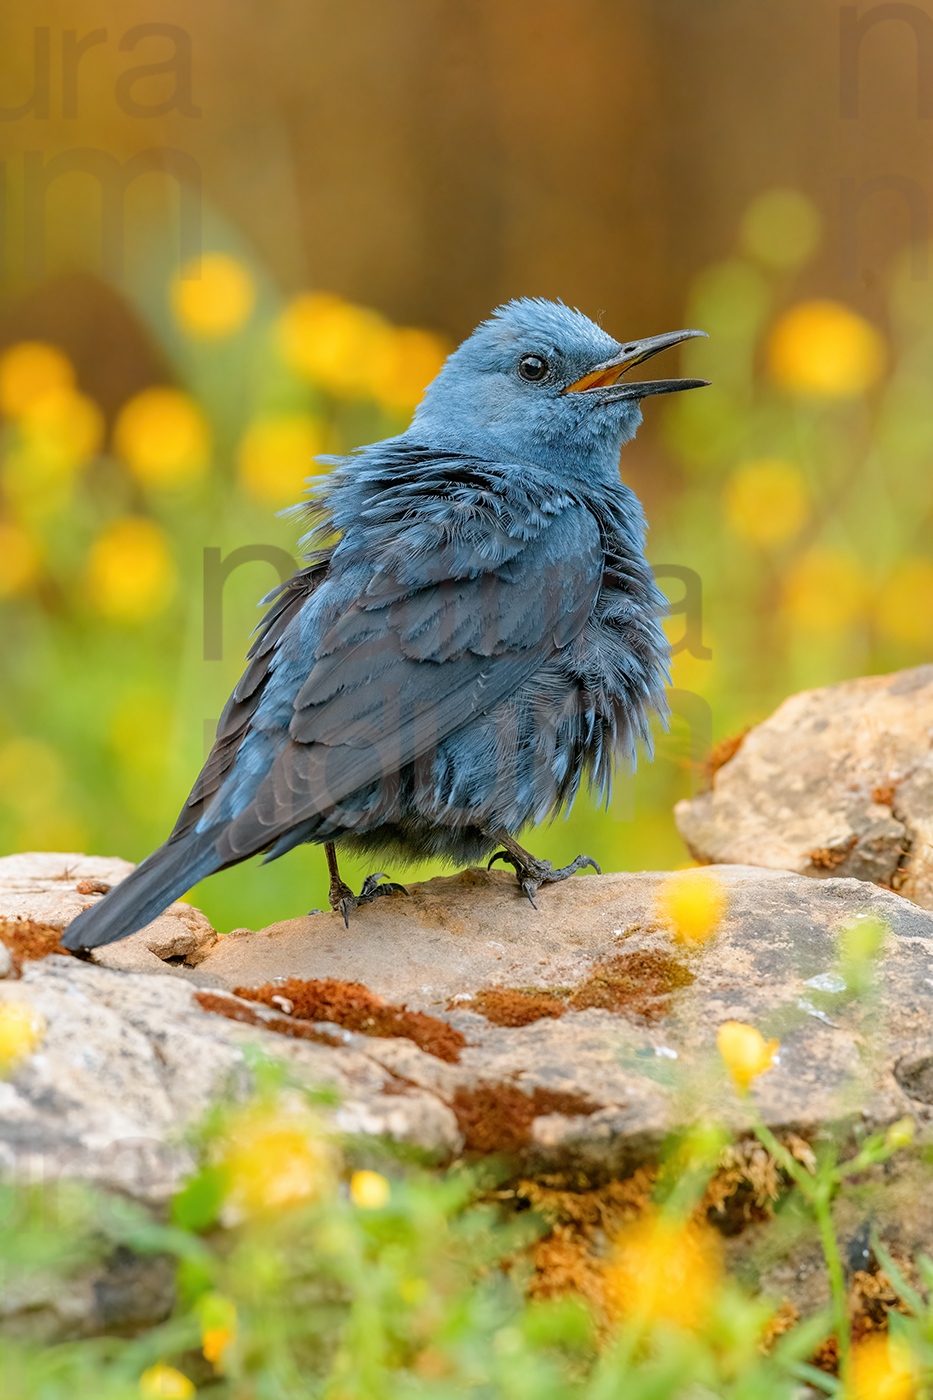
column 797, row 488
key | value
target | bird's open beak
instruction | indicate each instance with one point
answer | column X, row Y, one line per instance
column 603, row 382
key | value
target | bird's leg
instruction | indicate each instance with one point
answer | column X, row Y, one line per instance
column 342, row 898
column 529, row 871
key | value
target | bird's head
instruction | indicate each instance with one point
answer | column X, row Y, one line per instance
column 539, row 382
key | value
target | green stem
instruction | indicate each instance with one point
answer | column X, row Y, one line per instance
column 837, row 1283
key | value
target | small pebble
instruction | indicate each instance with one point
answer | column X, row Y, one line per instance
column 6, row 961
column 284, row 1004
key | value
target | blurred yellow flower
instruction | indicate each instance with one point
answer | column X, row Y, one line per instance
column 369, row 1190
column 276, row 456
column 22, row 1030
column 131, row 573
column 164, row 1383
column 20, row 559
column 62, row 427
column 781, row 228
column 28, row 371
column 692, row 904
column 822, row 348
column 218, row 1318
column 163, row 437
column 900, row 1134
column 825, row 590
column 333, row 343
column 217, row 302
column 663, row 1271
column 904, row 606
column 276, row 1158
column 766, row 501
column 409, row 361
column 881, row 1369
column 745, row 1052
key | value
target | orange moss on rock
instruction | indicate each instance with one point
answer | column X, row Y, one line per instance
column 498, row 1117
column 639, row 983
column 512, row 1006
column 721, row 753
column 28, row 941
column 221, row 1005
column 356, row 1008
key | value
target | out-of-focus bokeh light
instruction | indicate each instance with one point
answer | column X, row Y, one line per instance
column 766, row 501
column 823, row 349
column 213, row 296
column 276, row 456
column 163, row 437
column 62, row 427
column 825, row 591
column 692, row 904
column 131, row 573
column 162, row 1382
column 20, row 559
column 781, row 228
column 409, row 361
column 369, row 1190
column 882, row 1369
column 30, row 370
column 22, row 1030
column 664, row 1271
column 904, row 606
column 350, row 350
column 276, row 1158
column 745, row 1053
column 332, row 343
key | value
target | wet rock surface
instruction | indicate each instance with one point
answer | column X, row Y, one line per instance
column 837, row 782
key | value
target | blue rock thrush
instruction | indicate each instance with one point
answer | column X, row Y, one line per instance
column 475, row 631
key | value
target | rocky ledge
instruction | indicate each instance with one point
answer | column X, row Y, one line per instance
column 836, row 782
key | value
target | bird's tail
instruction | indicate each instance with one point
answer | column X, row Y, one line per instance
column 145, row 893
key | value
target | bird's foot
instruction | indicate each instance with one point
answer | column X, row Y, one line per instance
column 532, row 873
column 344, row 901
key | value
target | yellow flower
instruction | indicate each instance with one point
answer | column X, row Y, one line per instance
column 882, row 1369
column 22, row 1030
column 131, row 573
column 62, row 428
column 333, row 343
column 409, row 361
column 369, row 1190
column 692, row 904
column 663, row 1271
column 218, row 1317
column 275, row 1159
column 20, row 559
column 825, row 591
column 824, row 349
column 781, row 228
column 900, row 1134
column 162, row 436
column 276, row 456
column 766, row 501
column 30, row 370
column 904, row 607
column 214, row 297
column 164, row 1383
column 745, row 1052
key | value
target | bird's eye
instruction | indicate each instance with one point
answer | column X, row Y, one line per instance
column 533, row 367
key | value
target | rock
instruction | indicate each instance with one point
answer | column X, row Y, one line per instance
column 573, row 1037
column 49, row 889
column 837, row 782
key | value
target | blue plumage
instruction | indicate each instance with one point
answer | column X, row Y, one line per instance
column 483, row 635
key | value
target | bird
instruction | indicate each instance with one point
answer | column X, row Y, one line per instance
column 475, row 630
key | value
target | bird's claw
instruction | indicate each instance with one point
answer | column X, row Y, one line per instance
column 344, row 901
column 533, row 873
